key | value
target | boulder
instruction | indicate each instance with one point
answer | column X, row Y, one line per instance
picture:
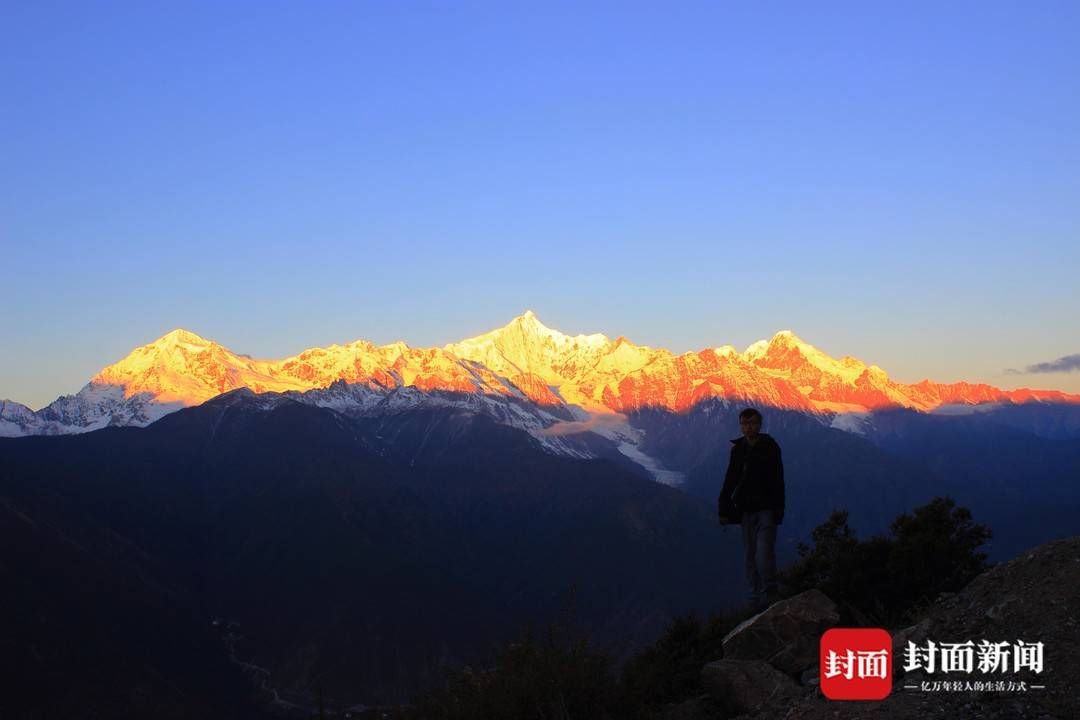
column 917, row 634
column 742, row 686
column 787, row 635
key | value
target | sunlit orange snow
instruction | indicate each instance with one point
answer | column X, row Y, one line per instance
column 527, row 359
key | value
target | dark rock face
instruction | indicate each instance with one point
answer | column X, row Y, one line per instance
column 1034, row 597
column 917, row 633
column 765, row 654
column 786, row 635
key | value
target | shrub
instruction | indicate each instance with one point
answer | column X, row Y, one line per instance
column 888, row 579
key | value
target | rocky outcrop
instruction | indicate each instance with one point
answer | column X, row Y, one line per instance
column 786, row 634
column 766, row 658
column 1034, row 598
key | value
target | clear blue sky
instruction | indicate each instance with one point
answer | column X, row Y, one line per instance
column 898, row 181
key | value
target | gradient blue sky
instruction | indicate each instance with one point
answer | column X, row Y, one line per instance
column 897, row 181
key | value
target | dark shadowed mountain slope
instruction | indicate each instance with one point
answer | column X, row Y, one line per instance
column 342, row 555
column 94, row 624
column 1024, row 485
column 825, row 469
column 1045, row 419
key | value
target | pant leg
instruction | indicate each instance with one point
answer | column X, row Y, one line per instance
column 750, row 546
column 766, row 550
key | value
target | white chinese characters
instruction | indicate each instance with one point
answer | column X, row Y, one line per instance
column 857, row 663
column 988, row 657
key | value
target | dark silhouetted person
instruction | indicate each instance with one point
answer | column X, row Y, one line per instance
column 753, row 494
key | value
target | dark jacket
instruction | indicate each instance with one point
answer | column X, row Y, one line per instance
column 754, row 480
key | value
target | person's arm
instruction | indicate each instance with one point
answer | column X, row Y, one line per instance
column 778, row 487
column 723, row 503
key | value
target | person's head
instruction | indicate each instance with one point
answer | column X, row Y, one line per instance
column 750, row 423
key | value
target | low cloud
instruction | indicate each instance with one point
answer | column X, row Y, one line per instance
column 1069, row 363
column 572, row 427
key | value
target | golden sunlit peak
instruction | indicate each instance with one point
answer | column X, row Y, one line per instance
column 529, row 322
column 756, row 349
column 180, row 335
column 530, row 325
column 182, row 368
column 528, row 318
column 786, row 337
column 786, row 340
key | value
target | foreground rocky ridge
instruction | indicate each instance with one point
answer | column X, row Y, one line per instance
column 770, row 665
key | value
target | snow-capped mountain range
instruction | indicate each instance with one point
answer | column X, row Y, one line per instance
column 524, row 374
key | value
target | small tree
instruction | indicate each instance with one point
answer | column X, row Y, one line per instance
column 935, row 550
column 888, row 578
